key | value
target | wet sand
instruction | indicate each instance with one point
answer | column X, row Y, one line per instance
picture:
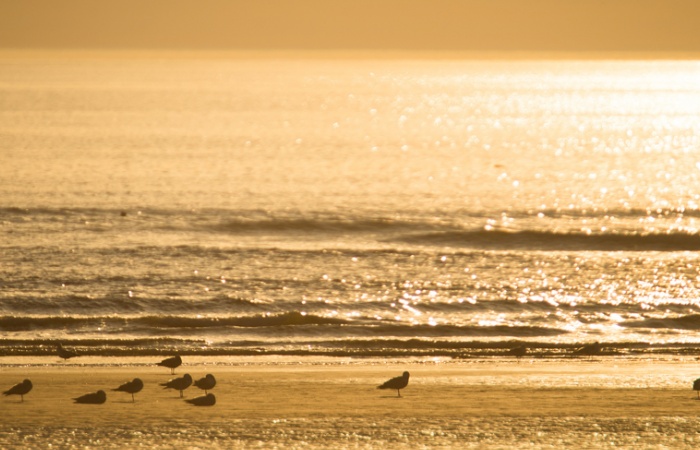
column 487, row 403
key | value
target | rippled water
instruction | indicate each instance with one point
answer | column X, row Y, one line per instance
column 348, row 207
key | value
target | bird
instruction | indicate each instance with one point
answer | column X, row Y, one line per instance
column 20, row 389
column 397, row 383
column 94, row 398
column 519, row 351
column 131, row 387
column 179, row 384
column 589, row 349
column 64, row 352
column 696, row 387
column 206, row 383
column 172, row 363
column 202, row 400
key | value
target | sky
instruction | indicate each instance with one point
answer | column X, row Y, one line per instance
column 597, row 26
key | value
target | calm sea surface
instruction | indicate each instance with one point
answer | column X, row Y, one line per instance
column 368, row 208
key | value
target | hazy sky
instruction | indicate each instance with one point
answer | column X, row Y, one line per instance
column 451, row 25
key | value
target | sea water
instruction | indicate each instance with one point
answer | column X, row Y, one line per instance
column 348, row 207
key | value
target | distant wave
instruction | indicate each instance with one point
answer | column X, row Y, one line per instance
column 687, row 322
column 25, row 323
column 321, row 224
column 285, row 324
column 602, row 213
column 82, row 305
column 551, row 241
column 245, row 219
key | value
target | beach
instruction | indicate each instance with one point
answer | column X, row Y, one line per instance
column 307, row 229
column 481, row 403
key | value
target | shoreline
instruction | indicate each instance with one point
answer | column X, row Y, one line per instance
column 255, row 398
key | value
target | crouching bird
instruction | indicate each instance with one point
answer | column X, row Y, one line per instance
column 397, row 383
column 64, row 353
column 94, row 398
column 202, row 400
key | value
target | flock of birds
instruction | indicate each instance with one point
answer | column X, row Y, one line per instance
column 205, row 383
column 208, row 382
column 134, row 386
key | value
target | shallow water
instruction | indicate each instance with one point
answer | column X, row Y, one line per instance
column 494, row 433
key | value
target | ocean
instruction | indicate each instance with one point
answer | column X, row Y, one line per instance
column 348, row 208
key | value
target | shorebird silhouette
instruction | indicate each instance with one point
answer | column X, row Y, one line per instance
column 94, row 398
column 397, row 383
column 64, row 353
column 589, row 349
column 696, row 386
column 20, row 389
column 171, row 363
column 206, row 383
column 131, row 387
column 203, row 400
column 518, row 352
column 179, row 384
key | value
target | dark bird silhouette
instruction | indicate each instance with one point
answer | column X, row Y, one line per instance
column 64, row 352
column 171, row 363
column 131, row 387
column 179, row 384
column 397, row 383
column 696, row 387
column 94, row 398
column 203, row 400
column 589, row 349
column 518, row 352
column 206, row 383
column 20, row 389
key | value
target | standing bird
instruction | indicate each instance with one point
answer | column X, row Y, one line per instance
column 179, row 384
column 20, row 389
column 203, row 400
column 206, row 383
column 94, row 398
column 696, row 387
column 131, row 387
column 64, row 352
column 171, row 363
column 397, row 383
